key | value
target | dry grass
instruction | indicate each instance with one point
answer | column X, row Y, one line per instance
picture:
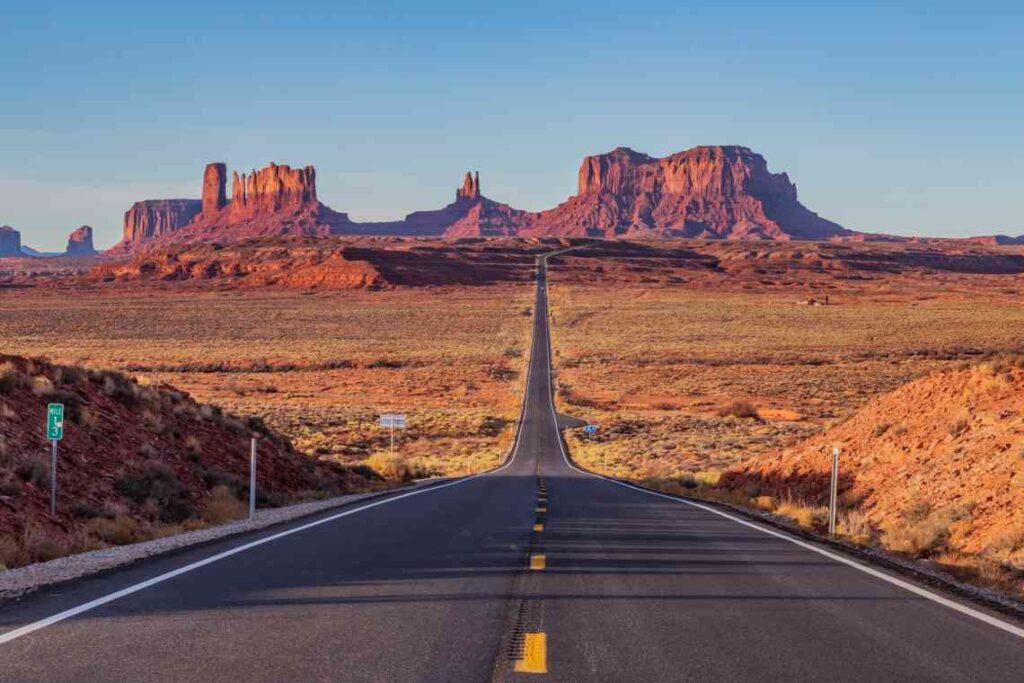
column 319, row 368
column 669, row 373
column 674, row 377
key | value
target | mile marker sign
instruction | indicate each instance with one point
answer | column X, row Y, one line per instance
column 55, row 421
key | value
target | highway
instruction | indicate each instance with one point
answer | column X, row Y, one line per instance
column 533, row 571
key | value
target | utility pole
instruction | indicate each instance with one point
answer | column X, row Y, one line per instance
column 252, row 478
column 833, row 492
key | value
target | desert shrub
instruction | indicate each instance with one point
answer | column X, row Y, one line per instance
column 153, row 423
column 740, row 409
column 364, row 471
column 395, row 467
column 959, row 427
column 85, row 510
column 764, row 503
column 255, row 424
column 10, row 488
column 159, row 485
column 41, row 385
column 854, row 525
column 801, row 513
column 922, row 531
column 72, row 404
column 387, row 364
column 708, row 477
column 881, row 429
column 34, row 469
column 10, row 553
column 148, row 451
column 193, row 448
column 222, row 506
column 215, row 476
column 39, row 545
column 67, row 376
column 11, row 379
column 120, row 530
column 121, row 389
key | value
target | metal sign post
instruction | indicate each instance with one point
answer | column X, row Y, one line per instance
column 833, row 492
column 54, row 432
column 393, row 421
column 252, row 478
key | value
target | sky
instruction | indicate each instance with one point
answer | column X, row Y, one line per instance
column 904, row 119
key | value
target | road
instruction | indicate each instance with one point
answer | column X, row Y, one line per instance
column 534, row 571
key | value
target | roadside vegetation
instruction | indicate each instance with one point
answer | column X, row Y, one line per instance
column 319, row 368
column 738, row 397
column 137, row 462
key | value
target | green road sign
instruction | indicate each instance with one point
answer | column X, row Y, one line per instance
column 55, row 421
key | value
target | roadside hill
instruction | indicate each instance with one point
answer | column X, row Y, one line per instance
column 935, row 466
column 136, row 462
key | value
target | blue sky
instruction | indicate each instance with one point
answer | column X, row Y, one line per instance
column 902, row 119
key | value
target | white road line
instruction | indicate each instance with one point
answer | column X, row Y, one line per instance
column 906, row 585
column 135, row 588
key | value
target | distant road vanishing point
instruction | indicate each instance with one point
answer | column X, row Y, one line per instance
column 534, row 570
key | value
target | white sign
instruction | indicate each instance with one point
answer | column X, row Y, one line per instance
column 392, row 420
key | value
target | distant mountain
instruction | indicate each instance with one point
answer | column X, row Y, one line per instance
column 10, row 241
column 705, row 192
column 997, row 240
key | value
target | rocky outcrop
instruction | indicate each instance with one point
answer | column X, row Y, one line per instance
column 154, row 218
column 470, row 215
column 273, row 189
column 706, row 192
column 470, row 188
column 10, row 241
column 80, row 242
column 214, row 188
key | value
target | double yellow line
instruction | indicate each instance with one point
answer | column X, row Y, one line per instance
column 534, row 659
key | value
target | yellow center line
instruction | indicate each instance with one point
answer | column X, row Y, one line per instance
column 537, row 562
column 538, row 527
column 535, row 654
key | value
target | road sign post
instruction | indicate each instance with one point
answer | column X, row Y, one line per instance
column 392, row 421
column 54, row 432
column 833, row 492
column 252, row 478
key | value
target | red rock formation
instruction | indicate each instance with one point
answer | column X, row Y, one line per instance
column 708, row 192
column 153, row 218
column 214, row 181
column 705, row 192
column 272, row 189
column 80, row 242
column 10, row 241
column 470, row 187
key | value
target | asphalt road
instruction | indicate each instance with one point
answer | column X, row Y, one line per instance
column 437, row 585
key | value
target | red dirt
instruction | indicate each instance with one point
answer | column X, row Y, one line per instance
column 950, row 441
column 119, row 435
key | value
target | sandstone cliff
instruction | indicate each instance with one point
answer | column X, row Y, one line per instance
column 10, row 241
column 214, row 181
column 80, row 242
column 154, row 218
column 705, row 192
column 470, row 215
